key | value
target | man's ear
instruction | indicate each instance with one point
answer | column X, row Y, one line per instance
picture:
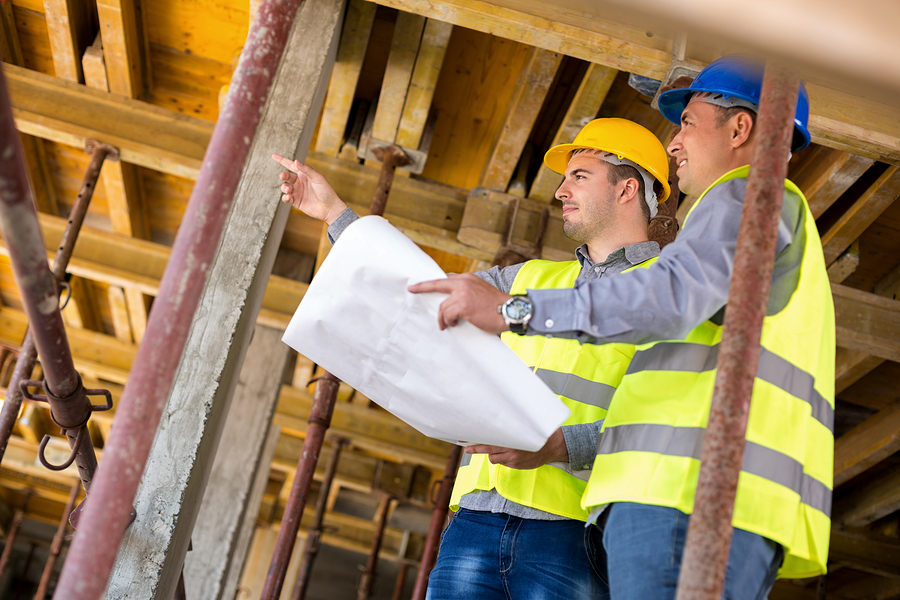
column 741, row 129
column 630, row 189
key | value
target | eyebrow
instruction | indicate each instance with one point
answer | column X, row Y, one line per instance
column 580, row 170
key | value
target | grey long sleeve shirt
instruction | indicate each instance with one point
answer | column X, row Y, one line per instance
column 581, row 440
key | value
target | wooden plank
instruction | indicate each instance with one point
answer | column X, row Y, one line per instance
column 404, row 48
column 41, row 179
column 138, row 306
column 65, row 22
column 122, row 45
column 890, row 285
column 867, row 444
column 435, row 38
column 824, row 193
column 870, row 502
column 345, row 75
column 68, row 113
column 94, row 65
column 851, row 366
column 530, row 90
column 590, row 95
column 81, row 310
column 10, row 49
column 871, row 553
column 861, row 214
column 119, row 310
column 867, row 322
column 845, row 265
column 121, row 181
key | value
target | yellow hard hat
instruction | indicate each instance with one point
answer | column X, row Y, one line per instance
column 626, row 139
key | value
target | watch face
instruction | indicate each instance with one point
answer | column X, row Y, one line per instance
column 517, row 309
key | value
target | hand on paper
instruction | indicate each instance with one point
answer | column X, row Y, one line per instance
column 306, row 189
column 553, row 451
column 471, row 299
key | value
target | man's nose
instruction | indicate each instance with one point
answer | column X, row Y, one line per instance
column 675, row 145
column 561, row 192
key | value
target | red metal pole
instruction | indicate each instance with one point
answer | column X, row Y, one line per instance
column 709, row 533
column 401, row 581
column 11, row 539
column 319, row 420
column 93, row 551
column 367, row 581
column 438, row 516
column 320, row 414
column 314, row 535
column 56, row 546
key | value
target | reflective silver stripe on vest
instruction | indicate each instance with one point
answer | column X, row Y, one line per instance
column 592, row 393
column 465, row 460
column 688, row 441
column 698, row 358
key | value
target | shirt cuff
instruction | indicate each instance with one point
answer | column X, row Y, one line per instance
column 553, row 311
column 581, row 442
column 344, row 220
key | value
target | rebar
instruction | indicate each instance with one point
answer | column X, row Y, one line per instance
column 11, row 539
column 709, row 532
column 367, row 580
column 93, row 552
column 56, row 545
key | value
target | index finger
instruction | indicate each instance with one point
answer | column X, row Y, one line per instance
column 436, row 285
column 285, row 162
column 482, row 449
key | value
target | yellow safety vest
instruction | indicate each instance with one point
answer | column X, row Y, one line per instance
column 650, row 445
column 584, row 376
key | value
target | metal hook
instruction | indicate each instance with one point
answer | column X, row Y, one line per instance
column 69, row 462
column 68, row 287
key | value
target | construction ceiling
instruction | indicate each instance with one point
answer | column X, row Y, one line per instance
column 476, row 91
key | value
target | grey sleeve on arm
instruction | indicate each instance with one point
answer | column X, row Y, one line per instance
column 500, row 278
column 344, row 220
column 686, row 286
column 581, row 442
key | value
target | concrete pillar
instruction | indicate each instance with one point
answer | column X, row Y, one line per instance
column 152, row 554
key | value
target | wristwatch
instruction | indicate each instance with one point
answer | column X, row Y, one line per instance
column 517, row 312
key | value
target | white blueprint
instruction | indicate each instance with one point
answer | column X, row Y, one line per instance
column 358, row 321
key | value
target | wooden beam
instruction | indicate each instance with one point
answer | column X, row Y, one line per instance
column 851, row 366
column 122, row 45
column 845, row 265
column 863, row 213
column 839, row 117
column 867, row 322
column 81, row 309
column 867, row 444
column 890, row 285
column 401, row 61
column 345, row 75
column 828, row 174
column 530, row 90
column 870, row 502
column 68, row 23
column 146, row 135
column 94, row 65
column 863, row 551
column 429, row 60
column 590, row 95
column 10, row 49
column 119, row 311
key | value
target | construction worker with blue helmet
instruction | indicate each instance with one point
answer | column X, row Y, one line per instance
column 644, row 478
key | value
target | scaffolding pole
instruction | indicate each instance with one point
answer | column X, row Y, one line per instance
column 94, row 548
column 367, row 579
column 709, row 533
column 56, row 546
column 438, row 516
column 320, row 414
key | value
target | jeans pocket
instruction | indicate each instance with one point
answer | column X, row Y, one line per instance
column 596, row 556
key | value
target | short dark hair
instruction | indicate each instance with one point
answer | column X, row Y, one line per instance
column 617, row 173
column 723, row 115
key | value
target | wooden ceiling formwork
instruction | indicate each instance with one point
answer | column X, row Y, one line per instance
column 480, row 90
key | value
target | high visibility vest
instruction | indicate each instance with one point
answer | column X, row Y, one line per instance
column 584, row 377
column 649, row 448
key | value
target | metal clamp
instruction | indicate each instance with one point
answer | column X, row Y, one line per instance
column 72, row 456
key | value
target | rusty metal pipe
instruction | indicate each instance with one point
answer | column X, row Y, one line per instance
column 314, row 535
column 70, row 407
column 438, row 516
column 319, row 420
column 320, row 415
column 709, row 533
column 367, row 581
column 401, row 581
column 93, row 551
column 11, row 539
column 56, row 545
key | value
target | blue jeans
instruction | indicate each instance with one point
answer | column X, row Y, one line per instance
column 489, row 556
column 644, row 545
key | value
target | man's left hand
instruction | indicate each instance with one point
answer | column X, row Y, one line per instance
column 554, row 450
column 470, row 298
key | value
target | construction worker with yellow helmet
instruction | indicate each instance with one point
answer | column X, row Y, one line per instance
column 519, row 530
column 645, row 474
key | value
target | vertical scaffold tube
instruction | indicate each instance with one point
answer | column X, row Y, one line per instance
column 709, row 533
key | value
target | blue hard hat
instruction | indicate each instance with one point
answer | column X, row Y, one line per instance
column 740, row 77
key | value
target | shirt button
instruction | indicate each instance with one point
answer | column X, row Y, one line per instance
column 596, row 267
column 548, row 323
